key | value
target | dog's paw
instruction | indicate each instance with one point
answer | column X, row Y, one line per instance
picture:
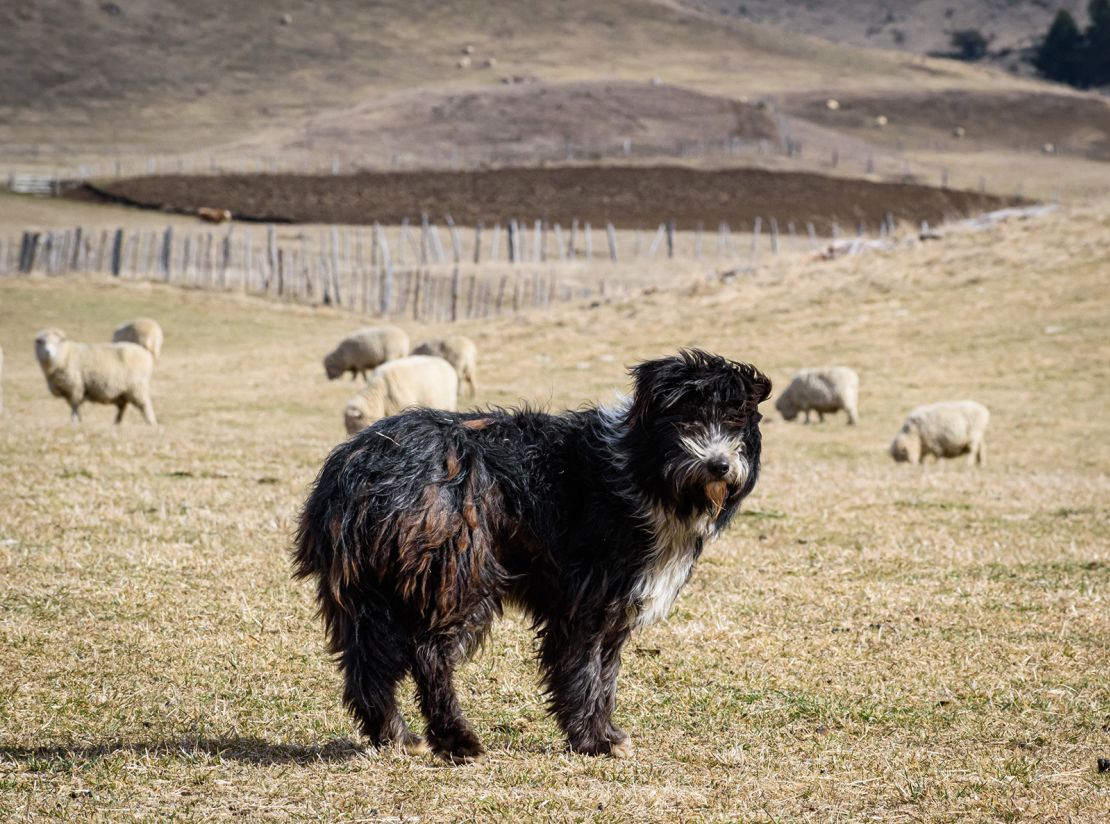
column 621, row 748
column 458, row 747
column 616, row 744
column 415, row 745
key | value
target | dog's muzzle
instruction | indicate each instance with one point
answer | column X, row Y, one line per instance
column 713, row 460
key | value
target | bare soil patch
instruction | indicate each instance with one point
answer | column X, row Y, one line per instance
column 629, row 197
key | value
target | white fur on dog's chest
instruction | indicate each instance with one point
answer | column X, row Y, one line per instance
column 659, row 584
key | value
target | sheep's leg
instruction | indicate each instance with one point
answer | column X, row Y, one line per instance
column 820, row 416
column 853, row 416
column 121, row 407
column 147, row 408
column 975, row 454
column 74, row 414
column 807, row 416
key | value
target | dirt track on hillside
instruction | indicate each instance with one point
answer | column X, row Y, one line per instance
column 629, row 197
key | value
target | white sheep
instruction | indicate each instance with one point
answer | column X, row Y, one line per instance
column 144, row 331
column 821, row 389
column 944, row 430
column 115, row 373
column 458, row 351
column 366, row 349
column 417, row 380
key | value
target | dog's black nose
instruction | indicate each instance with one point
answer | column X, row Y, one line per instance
column 718, row 467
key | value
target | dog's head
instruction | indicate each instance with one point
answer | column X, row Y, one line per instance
column 694, row 426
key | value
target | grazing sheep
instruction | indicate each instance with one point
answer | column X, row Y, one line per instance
column 418, row 380
column 944, row 430
column 822, row 389
column 115, row 373
column 144, row 331
column 458, row 351
column 366, row 349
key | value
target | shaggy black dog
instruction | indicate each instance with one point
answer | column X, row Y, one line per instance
column 422, row 526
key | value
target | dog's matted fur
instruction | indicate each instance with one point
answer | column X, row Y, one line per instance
column 420, row 527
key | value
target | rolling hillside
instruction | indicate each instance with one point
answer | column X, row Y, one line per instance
column 920, row 26
column 90, row 77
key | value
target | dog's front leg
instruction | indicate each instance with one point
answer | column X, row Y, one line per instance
column 580, row 670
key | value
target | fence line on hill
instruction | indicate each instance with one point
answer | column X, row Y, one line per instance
column 412, row 269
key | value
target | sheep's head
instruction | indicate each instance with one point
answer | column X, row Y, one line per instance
column 906, row 446
column 786, row 406
column 333, row 366
column 48, row 346
column 361, row 411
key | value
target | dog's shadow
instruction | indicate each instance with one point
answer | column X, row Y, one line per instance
column 232, row 748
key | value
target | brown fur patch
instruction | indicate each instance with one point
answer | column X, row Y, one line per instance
column 477, row 423
column 716, row 491
column 452, row 464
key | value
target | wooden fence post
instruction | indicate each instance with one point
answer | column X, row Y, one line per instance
column 26, row 245
column 471, row 291
column 271, row 254
column 225, row 258
column 495, row 243
column 571, row 252
column 187, row 254
column 74, row 252
column 386, row 290
column 478, row 242
column 512, row 241
column 812, row 232
column 456, row 282
column 589, row 243
column 247, row 268
column 335, row 265
column 774, row 236
column 653, row 247
column 117, row 253
column 611, row 233
column 670, row 237
column 756, row 230
column 456, row 242
column 167, row 253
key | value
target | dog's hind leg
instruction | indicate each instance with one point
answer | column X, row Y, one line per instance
column 449, row 733
column 372, row 657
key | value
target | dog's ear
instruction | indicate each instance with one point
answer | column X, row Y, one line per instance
column 757, row 384
column 644, row 379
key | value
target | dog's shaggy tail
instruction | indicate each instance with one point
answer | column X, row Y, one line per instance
column 414, row 524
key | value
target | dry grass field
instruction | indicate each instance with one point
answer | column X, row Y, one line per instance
column 868, row 642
